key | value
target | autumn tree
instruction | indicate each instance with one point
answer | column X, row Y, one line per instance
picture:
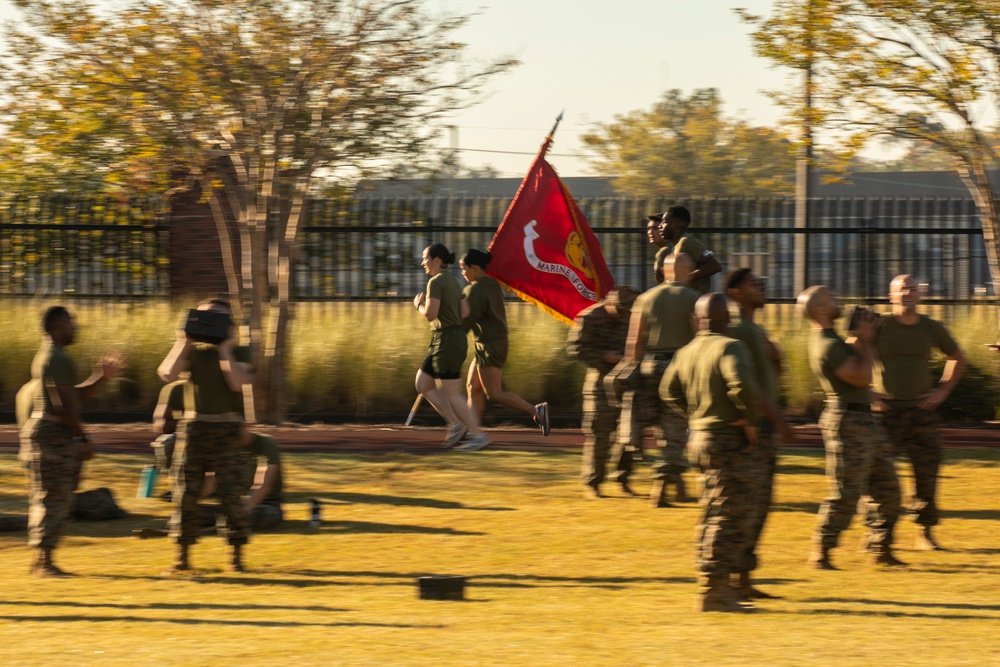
column 262, row 101
column 687, row 146
column 927, row 71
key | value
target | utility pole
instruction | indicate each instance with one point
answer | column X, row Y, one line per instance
column 803, row 165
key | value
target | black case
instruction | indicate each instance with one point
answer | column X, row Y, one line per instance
column 207, row 326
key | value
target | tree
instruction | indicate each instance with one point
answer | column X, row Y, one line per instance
column 262, row 101
column 685, row 146
column 920, row 70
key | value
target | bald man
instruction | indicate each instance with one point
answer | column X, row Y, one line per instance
column 711, row 383
column 859, row 458
column 662, row 323
column 907, row 398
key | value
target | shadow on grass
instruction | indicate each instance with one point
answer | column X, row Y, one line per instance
column 76, row 618
column 404, row 501
column 922, row 605
column 890, row 614
column 976, row 515
column 352, row 527
column 807, row 507
column 174, row 605
column 795, row 469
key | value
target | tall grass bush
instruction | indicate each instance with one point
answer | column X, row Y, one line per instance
column 357, row 360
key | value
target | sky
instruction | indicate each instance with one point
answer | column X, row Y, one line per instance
column 596, row 59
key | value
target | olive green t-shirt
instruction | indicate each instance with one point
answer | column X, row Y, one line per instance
column 212, row 396
column 264, row 451
column 904, row 351
column 446, row 289
column 667, row 308
column 172, row 396
column 694, row 248
column 52, row 366
column 487, row 313
column 827, row 353
column 763, row 369
column 711, row 381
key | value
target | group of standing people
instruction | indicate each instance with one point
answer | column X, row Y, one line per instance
column 697, row 367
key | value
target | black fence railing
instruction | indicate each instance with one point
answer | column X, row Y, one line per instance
column 357, row 248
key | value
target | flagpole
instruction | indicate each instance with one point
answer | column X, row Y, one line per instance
column 552, row 132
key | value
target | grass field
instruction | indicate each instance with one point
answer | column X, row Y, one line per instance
column 553, row 579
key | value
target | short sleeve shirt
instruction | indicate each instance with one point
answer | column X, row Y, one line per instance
column 445, row 288
column 667, row 309
column 753, row 336
column 172, row 396
column 695, row 249
column 52, row 366
column 904, row 351
column 212, row 396
column 827, row 353
column 487, row 312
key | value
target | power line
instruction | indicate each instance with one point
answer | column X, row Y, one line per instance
column 484, row 150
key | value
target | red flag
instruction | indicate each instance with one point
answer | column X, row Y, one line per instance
column 545, row 252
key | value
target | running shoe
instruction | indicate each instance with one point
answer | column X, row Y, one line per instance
column 474, row 443
column 542, row 417
column 455, row 434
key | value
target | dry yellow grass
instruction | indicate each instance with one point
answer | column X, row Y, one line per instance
column 553, row 579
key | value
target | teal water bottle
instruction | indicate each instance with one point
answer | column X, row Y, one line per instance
column 147, row 482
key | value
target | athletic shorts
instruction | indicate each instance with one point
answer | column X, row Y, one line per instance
column 491, row 353
column 446, row 354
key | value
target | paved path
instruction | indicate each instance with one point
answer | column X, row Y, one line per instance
column 135, row 438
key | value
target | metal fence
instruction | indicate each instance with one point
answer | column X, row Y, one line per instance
column 357, row 248
column 82, row 246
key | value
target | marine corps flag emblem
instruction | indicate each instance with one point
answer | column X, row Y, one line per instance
column 544, row 251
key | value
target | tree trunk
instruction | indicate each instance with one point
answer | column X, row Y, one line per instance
column 977, row 180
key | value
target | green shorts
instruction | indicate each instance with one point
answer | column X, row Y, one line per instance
column 446, row 353
column 491, row 353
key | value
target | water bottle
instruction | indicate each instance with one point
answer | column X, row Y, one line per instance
column 147, row 482
column 315, row 521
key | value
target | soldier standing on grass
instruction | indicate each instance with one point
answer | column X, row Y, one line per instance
column 711, row 382
column 597, row 339
column 662, row 323
column 209, row 436
column 53, row 443
column 859, row 458
column 905, row 397
column 746, row 290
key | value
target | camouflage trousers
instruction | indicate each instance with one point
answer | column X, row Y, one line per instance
column 643, row 408
column 762, row 492
column 914, row 432
column 208, row 447
column 728, row 468
column 859, row 463
column 600, row 419
column 53, row 470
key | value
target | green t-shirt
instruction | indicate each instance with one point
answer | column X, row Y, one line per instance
column 827, row 353
column 487, row 313
column 904, row 351
column 763, row 369
column 212, row 396
column 52, row 366
column 446, row 289
column 711, row 381
column 694, row 248
column 264, row 452
column 172, row 396
column 667, row 308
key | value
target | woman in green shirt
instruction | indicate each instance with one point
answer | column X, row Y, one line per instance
column 487, row 317
column 439, row 379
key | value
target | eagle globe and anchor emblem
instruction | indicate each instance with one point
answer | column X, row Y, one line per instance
column 575, row 254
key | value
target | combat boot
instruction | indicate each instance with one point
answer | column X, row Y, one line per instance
column 681, row 495
column 744, row 587
column 820, row 559
column 181, row 564
column 658, row 494
column 236, row 562
column 720, row 596
column 925, row 541
column 44, row 567
column 884, row 556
